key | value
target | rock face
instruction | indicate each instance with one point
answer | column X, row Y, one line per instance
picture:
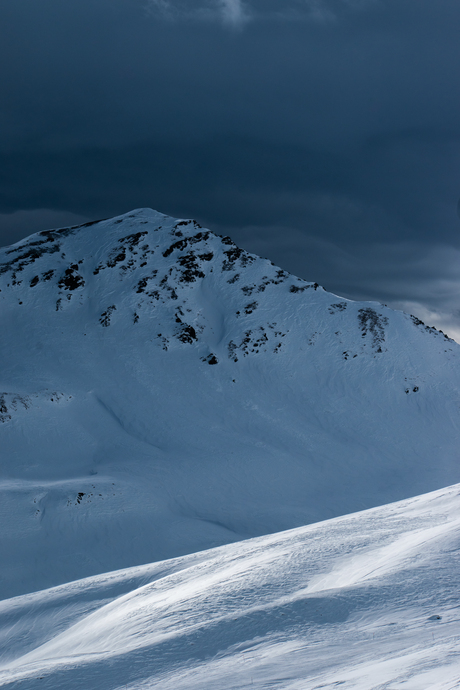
column 164, row 391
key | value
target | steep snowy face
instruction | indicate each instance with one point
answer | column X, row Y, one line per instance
column 164, row 391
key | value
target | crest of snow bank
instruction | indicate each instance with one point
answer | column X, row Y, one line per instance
column 368, row 599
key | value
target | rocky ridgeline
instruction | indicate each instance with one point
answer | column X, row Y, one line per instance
column 145, row 260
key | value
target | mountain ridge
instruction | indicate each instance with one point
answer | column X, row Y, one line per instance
column 164, row 391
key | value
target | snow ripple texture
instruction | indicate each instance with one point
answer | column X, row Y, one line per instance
column 367, row 601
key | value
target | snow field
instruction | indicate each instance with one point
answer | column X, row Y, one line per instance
column 352, row 602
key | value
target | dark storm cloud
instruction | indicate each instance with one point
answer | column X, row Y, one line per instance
column 19, row 224
column 322, row 131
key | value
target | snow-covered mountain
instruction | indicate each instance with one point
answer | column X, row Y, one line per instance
column 364, row 602
column 163, row 391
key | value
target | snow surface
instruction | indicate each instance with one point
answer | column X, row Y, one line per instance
column 366, row 601
column 163, row 392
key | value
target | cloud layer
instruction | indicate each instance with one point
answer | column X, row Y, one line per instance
column 322, row 131
column 238, row 12
column 231, row 12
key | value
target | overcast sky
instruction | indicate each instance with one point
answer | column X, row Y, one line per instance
column 322, row 135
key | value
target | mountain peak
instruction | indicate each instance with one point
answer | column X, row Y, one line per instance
column 165, row 391
column 138, row 262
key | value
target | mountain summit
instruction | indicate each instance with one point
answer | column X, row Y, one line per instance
column 163, row 391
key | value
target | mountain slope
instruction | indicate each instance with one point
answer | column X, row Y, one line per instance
column 365, row 601
column 162, row 391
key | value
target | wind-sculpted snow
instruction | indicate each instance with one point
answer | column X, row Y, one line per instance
column 368, row 600
column 200, row 395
